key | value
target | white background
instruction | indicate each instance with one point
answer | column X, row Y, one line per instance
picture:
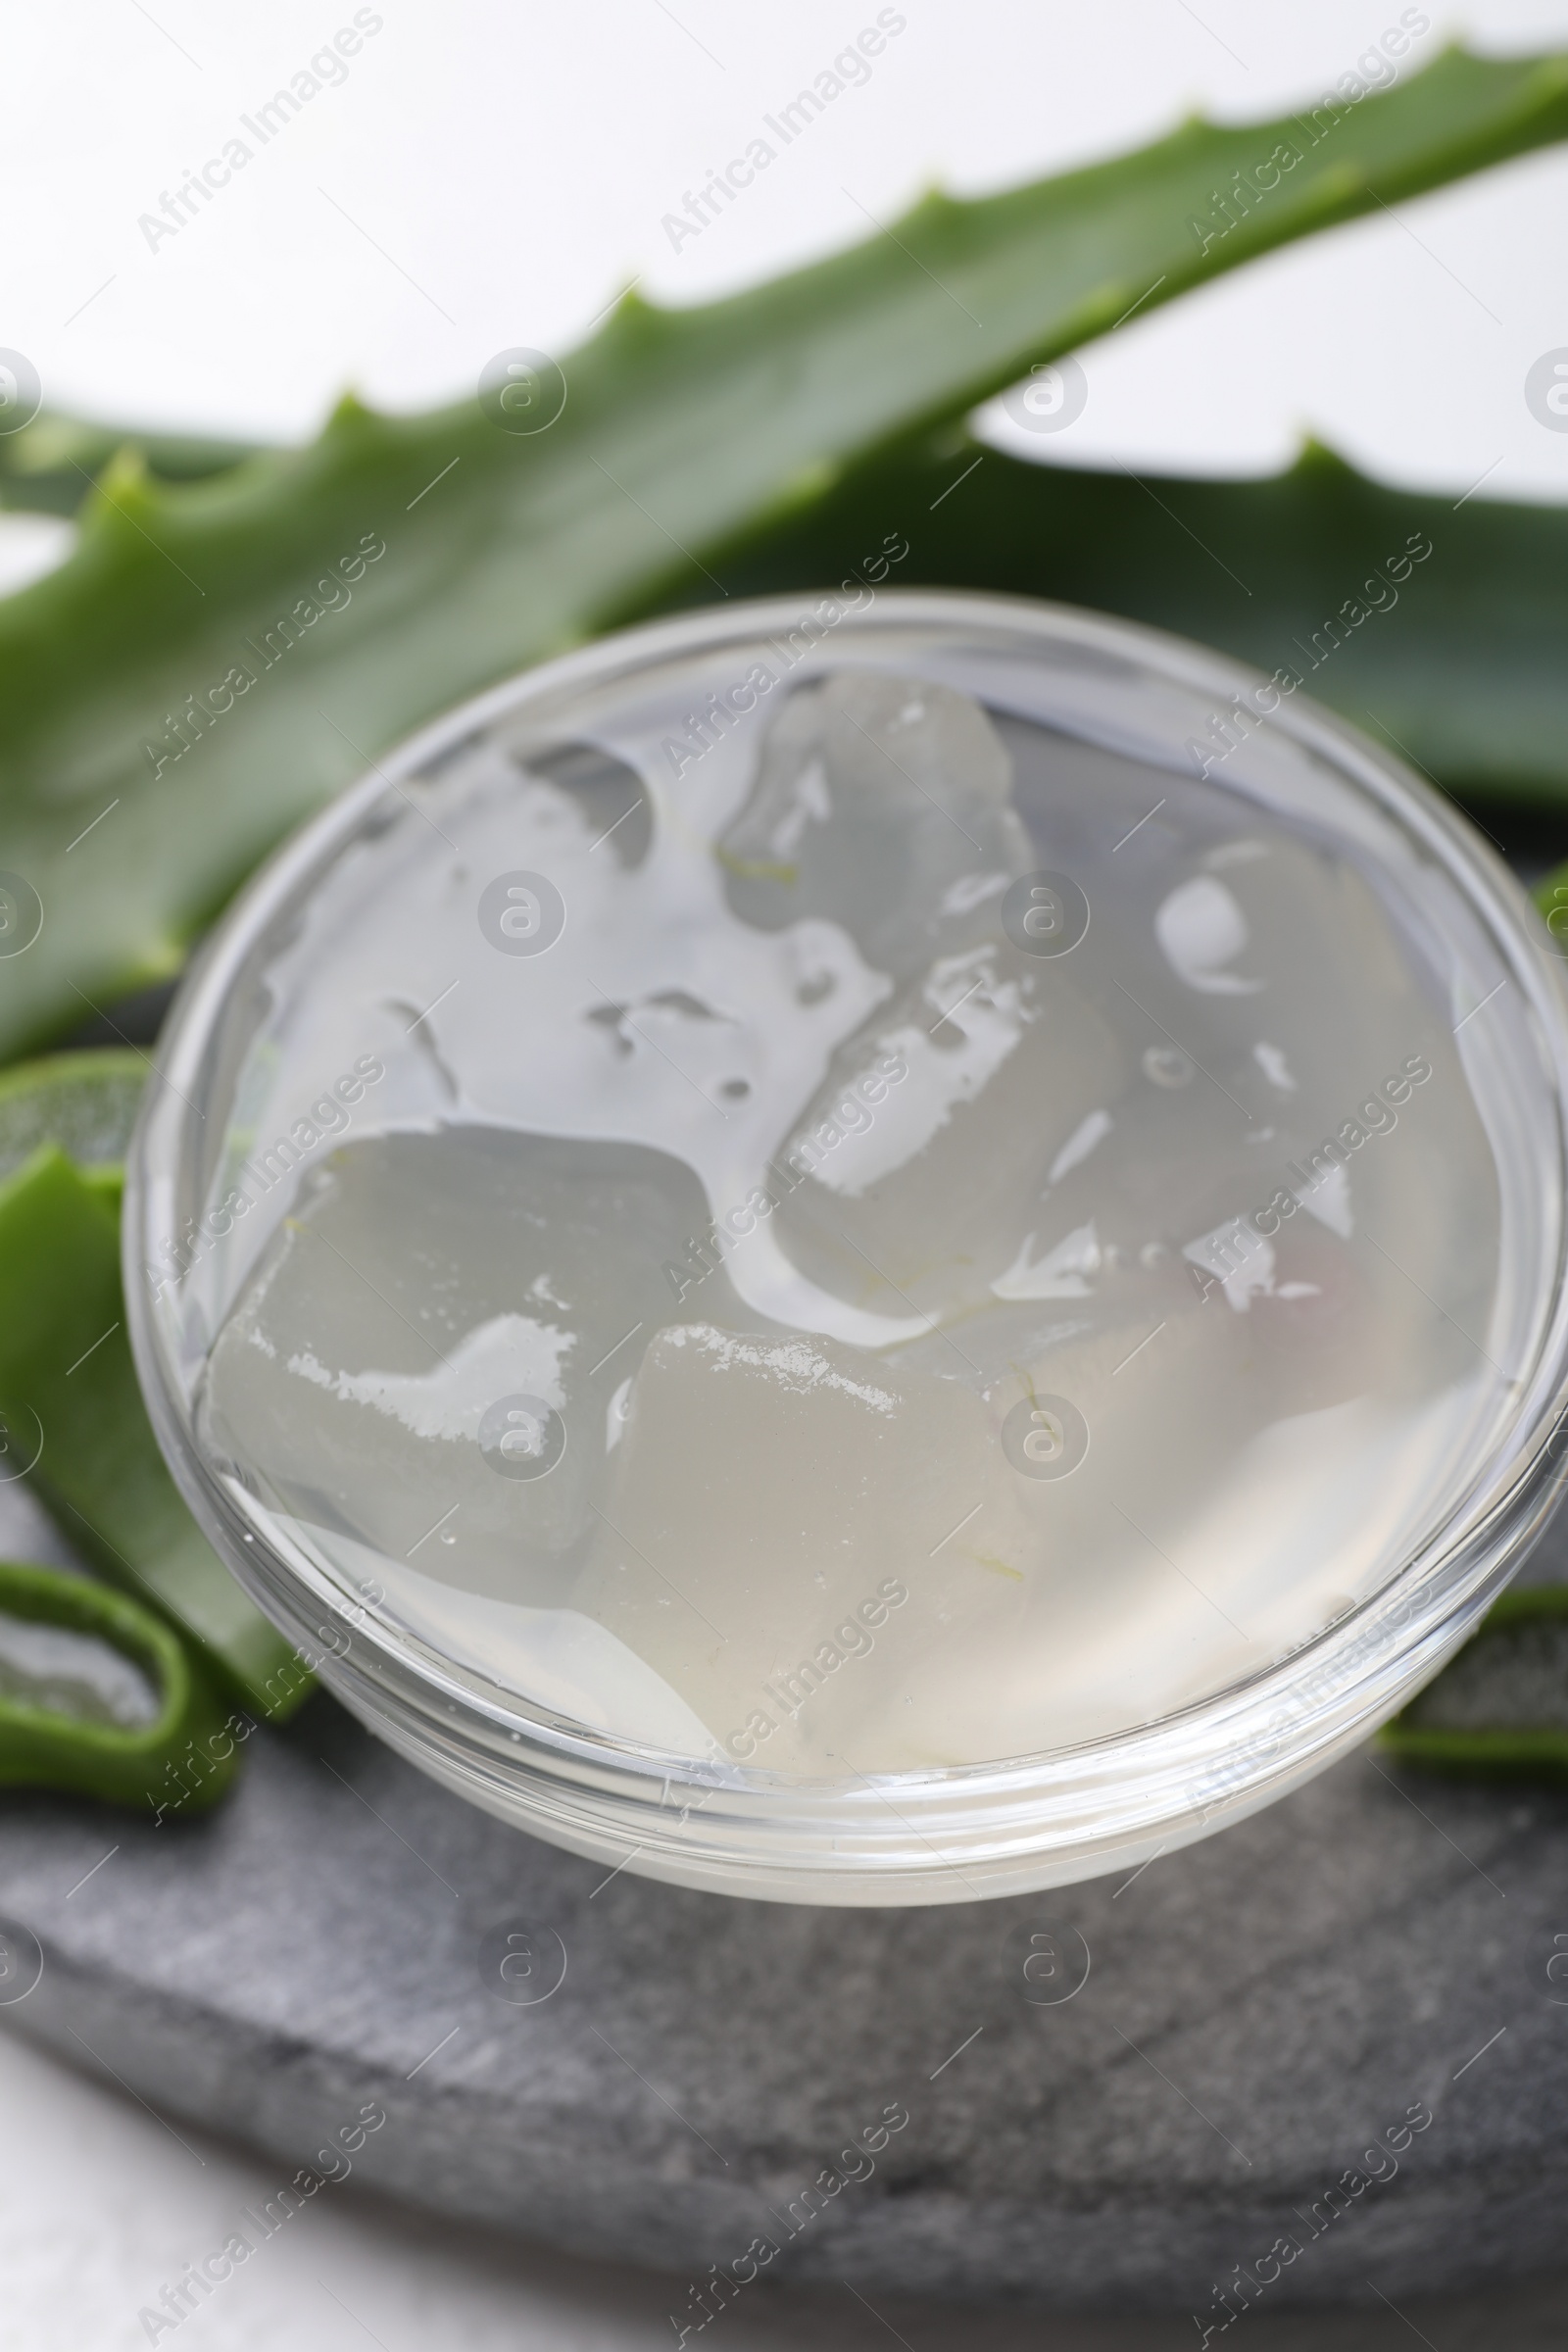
column 490, row 175
column 513, row 166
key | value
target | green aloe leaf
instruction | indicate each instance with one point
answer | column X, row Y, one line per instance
column 49, row 466
column 98, row 1697
column 1457, row 657
column 216, row 657
column 1499, row 1708
column 75, row 1425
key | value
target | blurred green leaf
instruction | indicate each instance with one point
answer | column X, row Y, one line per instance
column 1458, row 659
column 1499, row 1708
column 215, row 658
column 50, row 465
column 1552, row 897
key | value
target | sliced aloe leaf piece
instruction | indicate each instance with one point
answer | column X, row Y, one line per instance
column 75, row 1425
column 1499, row 1708
column 213, row 659
column 98, row 1696
column 85, row 1102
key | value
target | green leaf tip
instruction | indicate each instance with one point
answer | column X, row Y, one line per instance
column 350, row 415
column 1319, row 458
column 124, row 489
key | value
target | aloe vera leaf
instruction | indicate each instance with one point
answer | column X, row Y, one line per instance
column 85, row 1105
column 85, row 1102
column 1552, row 897
column 49, row 465
column 1519, row 1750
column 1461, row 664
column 179, row 1762
column 67, row 1386
column 678, row 428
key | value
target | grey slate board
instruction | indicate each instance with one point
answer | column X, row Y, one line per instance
column 1258, row 2009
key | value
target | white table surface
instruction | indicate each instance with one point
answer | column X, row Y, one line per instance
column 488, row 175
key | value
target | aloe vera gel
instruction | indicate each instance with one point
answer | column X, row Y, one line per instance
column 862, row 1197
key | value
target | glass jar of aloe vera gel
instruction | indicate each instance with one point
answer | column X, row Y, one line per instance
column 867, row 1257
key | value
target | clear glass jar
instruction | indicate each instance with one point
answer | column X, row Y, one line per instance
column 602, row 945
